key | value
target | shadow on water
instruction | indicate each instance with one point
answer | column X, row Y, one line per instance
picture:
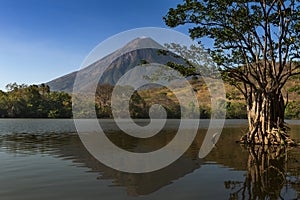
column 70, row 147
column 270, row 172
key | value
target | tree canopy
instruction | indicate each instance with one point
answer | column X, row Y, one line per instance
column 34, row 101
column 256, row 44
column 263, row 36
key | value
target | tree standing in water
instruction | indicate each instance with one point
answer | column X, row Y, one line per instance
column 256, row 44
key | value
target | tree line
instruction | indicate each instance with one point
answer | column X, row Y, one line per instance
column 34, row 101
column 38, row 101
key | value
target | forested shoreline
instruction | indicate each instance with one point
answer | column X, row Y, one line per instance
column 34, row 101
column 38, row 101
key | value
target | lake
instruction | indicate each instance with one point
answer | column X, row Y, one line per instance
column 45, row 159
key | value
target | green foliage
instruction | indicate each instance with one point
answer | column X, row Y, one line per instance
column 4, row 104
column 205, row 112
column 252, row 34
column 255, row 43
column 229, row 23
column 59, row 105
column 295, row 89
column 236, row 110
column 197, row 60
column 137, row 107
column 39, row 102
column 233, row 95
column 34, row 102
column 292, row 110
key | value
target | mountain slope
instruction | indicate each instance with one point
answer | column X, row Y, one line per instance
column 122, row 60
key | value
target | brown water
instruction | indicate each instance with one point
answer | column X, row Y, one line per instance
column 45, row 159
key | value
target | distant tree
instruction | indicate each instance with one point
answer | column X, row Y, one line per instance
column 257, row 45
column 44, row 89
column 34, row 102
column 14, row 86
column 59, row 105
column 103, row 98
column 3, row 104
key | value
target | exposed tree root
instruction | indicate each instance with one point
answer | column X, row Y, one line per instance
column 274, row 137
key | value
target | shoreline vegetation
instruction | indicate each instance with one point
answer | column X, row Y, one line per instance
column 38, row 101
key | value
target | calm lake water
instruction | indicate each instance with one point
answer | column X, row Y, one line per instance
column 45, row 159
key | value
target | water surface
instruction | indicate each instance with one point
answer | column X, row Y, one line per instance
column 45, row 159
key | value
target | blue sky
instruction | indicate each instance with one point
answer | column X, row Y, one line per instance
column 43, row 39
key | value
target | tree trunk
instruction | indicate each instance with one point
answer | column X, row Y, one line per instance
column 266, row 119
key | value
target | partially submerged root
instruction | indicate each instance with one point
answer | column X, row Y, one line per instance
column 274, row 137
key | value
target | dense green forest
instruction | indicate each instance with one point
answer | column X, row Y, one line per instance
column 22, row 101
column 38, row 101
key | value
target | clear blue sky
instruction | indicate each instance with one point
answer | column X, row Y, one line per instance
column 43, row 39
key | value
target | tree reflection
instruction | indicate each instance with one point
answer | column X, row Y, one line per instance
column 69, row 147
column 271, row 172
column 265, row 176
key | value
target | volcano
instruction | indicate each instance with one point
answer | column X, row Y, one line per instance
column 136, row 52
